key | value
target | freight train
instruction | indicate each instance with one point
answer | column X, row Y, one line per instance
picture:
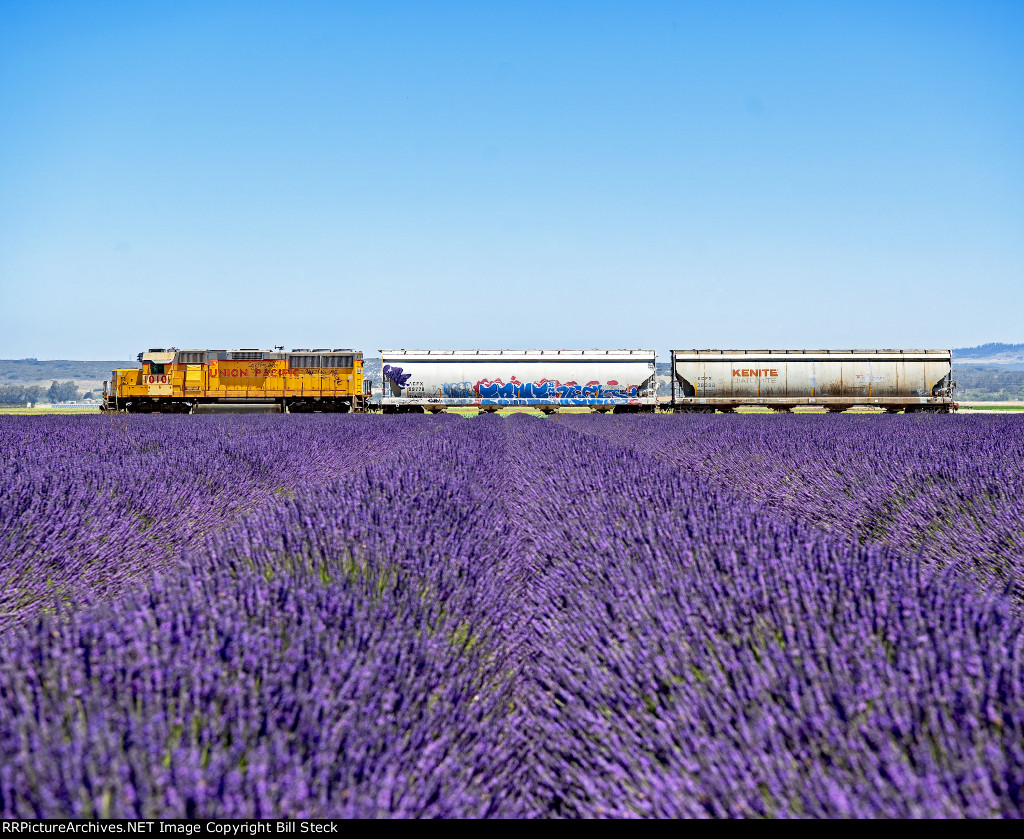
column 607, row 381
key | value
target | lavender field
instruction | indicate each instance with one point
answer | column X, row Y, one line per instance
column 580, row 616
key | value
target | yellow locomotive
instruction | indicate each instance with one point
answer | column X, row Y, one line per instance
column 186, row 381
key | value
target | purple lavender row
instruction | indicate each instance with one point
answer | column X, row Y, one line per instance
column 510, row 617
column 88, row 504
column 332, row 655
column 948, row 488
column 699, row 654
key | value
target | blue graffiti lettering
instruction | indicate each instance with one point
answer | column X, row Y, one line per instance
column 563, row 402
column 396, row 375
column 496, row 390
column 458, row 390
column 548, row 389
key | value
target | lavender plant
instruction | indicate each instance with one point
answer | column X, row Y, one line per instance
column 949, row 488
column 411, row 616
column 89, row 504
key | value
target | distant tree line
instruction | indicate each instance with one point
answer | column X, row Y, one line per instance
column 988, row 383
column 17, row 394
column 56, row 392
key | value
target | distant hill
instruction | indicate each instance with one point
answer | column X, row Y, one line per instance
column 26, row 380
column 32, row 370
column 989, row 373
column 991, row 354
column 372, row 371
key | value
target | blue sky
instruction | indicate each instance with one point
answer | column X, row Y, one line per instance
column 509, row 175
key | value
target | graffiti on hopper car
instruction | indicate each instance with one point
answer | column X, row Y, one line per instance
column 553, row 389
column 543, row 389
column 458, row 390
column 396, row 375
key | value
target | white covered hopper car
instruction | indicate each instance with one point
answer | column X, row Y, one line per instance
column 909, row 380
column 620, row 381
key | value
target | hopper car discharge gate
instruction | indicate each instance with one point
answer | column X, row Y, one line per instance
column 240, row 381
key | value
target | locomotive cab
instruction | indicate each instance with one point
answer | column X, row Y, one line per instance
column 154, row 361
column 157, row 376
